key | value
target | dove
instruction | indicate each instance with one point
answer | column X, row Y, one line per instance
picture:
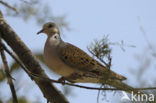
column 75, row 65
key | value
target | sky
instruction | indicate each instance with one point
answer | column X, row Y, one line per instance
column 92, row 19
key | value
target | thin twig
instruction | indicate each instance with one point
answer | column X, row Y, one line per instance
column 66, row 83
column 15, row 58
column 7, row 5
column 145, row 36
column 51, row 80
column 98, row 57
column 6, row 69
column 95, row 88
column 49, row 91
column 98, row 95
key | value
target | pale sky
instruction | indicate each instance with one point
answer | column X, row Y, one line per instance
column 91, row 19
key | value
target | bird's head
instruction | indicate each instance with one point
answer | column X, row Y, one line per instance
column 49, row 28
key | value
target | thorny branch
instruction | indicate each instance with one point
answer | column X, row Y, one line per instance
column 6, row 69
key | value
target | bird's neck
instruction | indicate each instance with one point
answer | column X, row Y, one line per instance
column 54, row 39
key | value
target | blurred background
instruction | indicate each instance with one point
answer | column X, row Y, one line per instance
column 129, row 24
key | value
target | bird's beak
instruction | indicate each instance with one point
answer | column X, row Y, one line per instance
column 41, row 31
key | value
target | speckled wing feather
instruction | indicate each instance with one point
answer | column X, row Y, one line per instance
column 78, row 59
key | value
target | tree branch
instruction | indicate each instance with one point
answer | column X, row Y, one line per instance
column 66, row 83
column 97, row 57
column 8, row 6
column 6, row 69
column 90, row 88
column 24, row 54
column 16, row 59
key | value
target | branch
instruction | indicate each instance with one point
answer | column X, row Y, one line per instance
column 49, row 91
column 16, row 59
column 107, row 65
column 6, row 69
column 145, row 36
column 97, row 57
column 87, row 87
column 8, row 6
column 55, row 81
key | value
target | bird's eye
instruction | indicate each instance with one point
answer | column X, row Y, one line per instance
column 55, row 37
column 49, row 26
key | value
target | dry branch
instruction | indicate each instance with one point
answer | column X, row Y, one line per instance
column 8, row 6
column 24, row 54
column 9, row 78
column 65, row 83
column 91, row 88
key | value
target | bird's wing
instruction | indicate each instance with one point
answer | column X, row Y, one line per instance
column 76, row 58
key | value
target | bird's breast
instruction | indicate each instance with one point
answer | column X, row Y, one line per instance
column 53, row 61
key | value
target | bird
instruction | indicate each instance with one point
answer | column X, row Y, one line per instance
column 75, row 65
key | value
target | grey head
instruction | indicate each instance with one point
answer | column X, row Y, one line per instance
column 53, row 34
column 49, row 28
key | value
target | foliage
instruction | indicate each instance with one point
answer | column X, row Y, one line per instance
column 37, row 10
column 101, row 50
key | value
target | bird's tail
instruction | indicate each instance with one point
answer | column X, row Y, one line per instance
column 122, row 86
column 116, row 76
column 115, row 80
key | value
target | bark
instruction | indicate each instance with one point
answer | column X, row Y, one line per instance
column 49, row 91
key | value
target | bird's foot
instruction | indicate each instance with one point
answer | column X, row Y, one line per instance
column 62, row 80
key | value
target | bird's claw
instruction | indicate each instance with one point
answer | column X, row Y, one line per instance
column 61, row 80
